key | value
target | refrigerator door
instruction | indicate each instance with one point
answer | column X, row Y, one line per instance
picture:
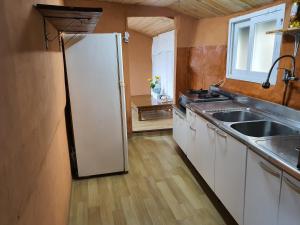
column 94, row 68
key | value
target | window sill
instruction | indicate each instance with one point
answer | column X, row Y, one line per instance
column 252, row 80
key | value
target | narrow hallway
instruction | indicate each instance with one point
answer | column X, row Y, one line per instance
column 159, row 189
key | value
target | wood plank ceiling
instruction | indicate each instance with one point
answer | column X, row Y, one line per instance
column 200, row 8
column 150, row 26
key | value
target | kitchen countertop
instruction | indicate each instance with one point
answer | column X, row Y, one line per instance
column 279, row 150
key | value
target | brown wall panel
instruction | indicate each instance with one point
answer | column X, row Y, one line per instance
column 31, row 113
column 182, row 70
column 49, row 202
column 140, row 63
column 207, row 65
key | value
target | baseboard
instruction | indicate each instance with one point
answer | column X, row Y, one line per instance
column 100, row 175
column 153, row 132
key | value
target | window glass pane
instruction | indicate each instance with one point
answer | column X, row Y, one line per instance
column 242, row 48
column 263, row 46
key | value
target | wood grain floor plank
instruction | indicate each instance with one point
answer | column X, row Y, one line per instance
column 154, row 211
column 119, row 217
column 94, row 216
column 192, row 196
column 174, row 205
column 129, row 212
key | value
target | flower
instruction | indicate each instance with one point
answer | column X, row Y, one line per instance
column 153, row 81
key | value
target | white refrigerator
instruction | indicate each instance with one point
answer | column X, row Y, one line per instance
column 97, row 97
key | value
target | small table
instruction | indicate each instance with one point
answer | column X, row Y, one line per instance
column 145, row 103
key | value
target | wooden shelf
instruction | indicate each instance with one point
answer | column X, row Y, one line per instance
column 292, row 32
column 289, row 31
column 71, row 19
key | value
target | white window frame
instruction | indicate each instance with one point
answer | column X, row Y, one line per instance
column 264, row 15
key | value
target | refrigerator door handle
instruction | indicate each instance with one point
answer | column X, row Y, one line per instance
column 122, row 98
column 122, row 84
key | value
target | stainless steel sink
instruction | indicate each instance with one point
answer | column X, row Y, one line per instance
column 236, row 116
column 286, row 148
column 263, row 129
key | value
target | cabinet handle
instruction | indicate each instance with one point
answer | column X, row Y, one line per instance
column 209, row 126
column 192, row 129
column 268, row 169
column 179, row 115
column 221, row 134
column 292, row 185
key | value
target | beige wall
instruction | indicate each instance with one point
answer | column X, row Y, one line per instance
column 140, row 63
column 211, row 31
column 185, row 31
column 34, row 164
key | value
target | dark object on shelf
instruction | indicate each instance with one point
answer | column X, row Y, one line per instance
column 69, row 19
column 295, row 14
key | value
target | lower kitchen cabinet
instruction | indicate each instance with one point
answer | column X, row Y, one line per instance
column 204, row 158
column 190, row 144
column 262, row 191
column 254, row 191
column 191, row 136
column 180, row 129
column 289, row 207
column 230, row 166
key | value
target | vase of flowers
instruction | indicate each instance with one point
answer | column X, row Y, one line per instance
column 155, row 84
column 155, row 87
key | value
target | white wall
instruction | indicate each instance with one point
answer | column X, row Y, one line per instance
column 163, row 61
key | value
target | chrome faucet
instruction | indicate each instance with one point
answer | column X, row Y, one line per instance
column 288, row 75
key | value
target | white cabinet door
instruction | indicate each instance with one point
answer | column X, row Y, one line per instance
column 191, row 117
column 262, row 191
column 180, row 130
column 289, row 206
column 230, row 167
column 191, row 135
column 204, row 157
column 183, row 127
column 176, row 124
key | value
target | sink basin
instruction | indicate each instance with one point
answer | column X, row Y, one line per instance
column 236, row 116
column 263, row 129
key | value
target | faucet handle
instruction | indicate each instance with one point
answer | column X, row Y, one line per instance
column 287, row 75
column 294, row 78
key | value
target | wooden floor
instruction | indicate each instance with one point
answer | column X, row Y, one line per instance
column 158, row 190
column 154, row 122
